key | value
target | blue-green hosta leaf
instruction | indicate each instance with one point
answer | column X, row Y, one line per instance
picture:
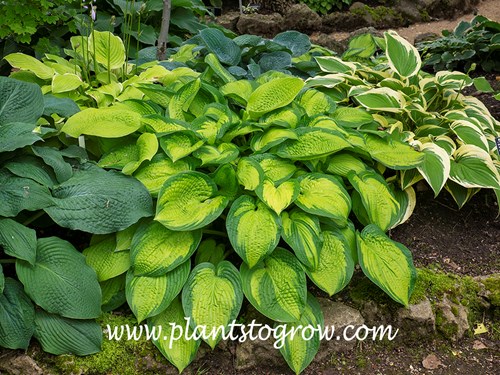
column 472, row 167
column 17, row 240
column 387, row 263
column 153, row 174
column 106, row 262
column 189, row 201
column 262, row 142
column 469, row 133
column 180, row 145
column 99, row 201
column 300, row 350
column 275, row 168
column 212, row 297
column 316, row 103
column 102, row 122
column 20, row 101
column 335, row 264
column 54, row 158
column 296, row 42
column 403, row 57
column 130, row 157
column 392, row 153
column 107, row 49
column 249, row 173
column 332, row 64
column 25, row 62
column 181, row 101
column 180, row 352
column 274, row 94
column 278, row 197
column 378, row 200
column 435, row 167
column 156, row 250
column 253, row 229
column 17, row 315
column 313, row 143
column 148, row 296
column 302, row 233
column 16, row 135
column 277, row 286
column 342, row 163
column 59, row 335
column 226, row 50
column 276, row 60
column 60, row 281
column 2, row 280
column 323, row 195
column 17, row 194
column 222, row 154
column 381, row 99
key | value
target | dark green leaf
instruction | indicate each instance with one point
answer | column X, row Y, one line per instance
column 17, row 240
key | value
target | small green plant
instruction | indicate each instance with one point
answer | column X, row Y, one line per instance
column 476, row 42
column 326, row 6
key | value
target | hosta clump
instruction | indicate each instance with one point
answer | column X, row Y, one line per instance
column 258, row 185
column 455, row 134
column 47, row 289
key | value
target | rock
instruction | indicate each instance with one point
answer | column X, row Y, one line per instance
column 425, row 37
column 375, row 314
column 410, row 11
column 229, row 20
column 331, row 42
column 451, row 319
column 301, row 18
column 338, row 316
column 431, row 362
column 266, row 25
column 19, row 364
column 356, row 5
column 416, row 322
column 341, row 21
column 448, row 9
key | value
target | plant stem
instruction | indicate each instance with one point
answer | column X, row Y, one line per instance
column 215, row 232
column 34, row 217
column 7, row 261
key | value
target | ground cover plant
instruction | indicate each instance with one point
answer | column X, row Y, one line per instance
column 265, row 165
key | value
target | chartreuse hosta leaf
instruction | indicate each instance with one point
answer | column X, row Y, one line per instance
column 351, row 117
column 179, row 352
column 65, row 82
column 59, row 335
column 189, row 201
column 302, row 232
column 316, row 103
column 107, row 49
column 262, row 142
column 276, row 286
column 113, row 293
column 60, row 281
column 378, row 200
column 222, row 154
column 25, row 62
column 403, row 57
column 253, row 229
column 106, row 262
column 472, row 167
column 17, row 315
column 181, row 101
column 342, row 163
column 148, row 296
column 162, row 125
column 129, row 157
column 179, row 145
column 312, row 143
column 278, row 197
column 335, row 263
column 240, row 91
column 249, row 173
column 17, row 240
column 300, row 350
column 387, row 263
column 103, row 122
column 381, row 99
column 407, row 201
column 275, row 168
column 435, row 167
column 153, row 174
column 274, row 94
column 323, row 195
column 226, row 180
column 332, row 64
column 156, row 250
column 392, row 153
column 212, row 297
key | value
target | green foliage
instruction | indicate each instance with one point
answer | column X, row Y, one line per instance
column 326, row 6
column 469, row 44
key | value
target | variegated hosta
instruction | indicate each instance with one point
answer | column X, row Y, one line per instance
column 258, row 183
column 454, row 134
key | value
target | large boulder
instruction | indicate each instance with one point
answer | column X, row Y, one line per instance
column 341, row 21
column 266, row 25
column 416, row 322
column 301, row 18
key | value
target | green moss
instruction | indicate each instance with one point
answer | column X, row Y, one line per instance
column 492, row 284
column 117, row 357
column 448, row 330
column 379, row 14
column 425, row 15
